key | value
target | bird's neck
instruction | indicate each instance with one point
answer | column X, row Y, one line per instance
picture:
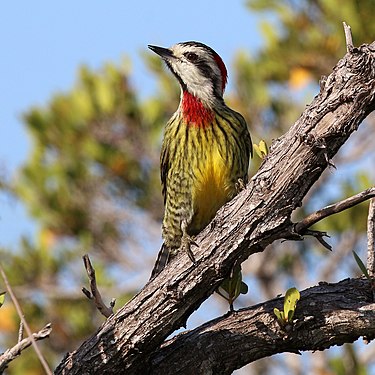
column 194, row 111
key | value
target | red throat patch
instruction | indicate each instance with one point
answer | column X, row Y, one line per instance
column 194, row 112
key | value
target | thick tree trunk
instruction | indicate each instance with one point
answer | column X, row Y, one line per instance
column 255, row 218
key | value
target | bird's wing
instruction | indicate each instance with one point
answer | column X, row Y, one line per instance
column 164, row 168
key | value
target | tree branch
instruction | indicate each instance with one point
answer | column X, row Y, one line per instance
column 236, row 339
column 12, row 353
column 255, row 218
column 335, row 208
column 24, row 323
column 95, row 294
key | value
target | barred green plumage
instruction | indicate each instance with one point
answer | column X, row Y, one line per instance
column 206, row 147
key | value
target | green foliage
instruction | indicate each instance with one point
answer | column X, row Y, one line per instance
column 302, row 42
column 232, row 287
column 292, row 296
column 90, row 145
column 361, row 266
column 261, row 149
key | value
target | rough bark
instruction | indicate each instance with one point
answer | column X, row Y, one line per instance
column 258, row 216
column 236, row 339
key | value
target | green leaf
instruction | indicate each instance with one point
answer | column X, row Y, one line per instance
column 2, row 298
column 279, row 315
column 361, row 265
column 292, row 296
column 261, row 149
column 233, row 286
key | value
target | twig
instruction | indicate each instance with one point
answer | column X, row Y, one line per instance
column 95, row 294
column 24, row 322
column 371, row 238
column 15, row 351
column 319, row 236
column 335, row 208
column 20, row 332
column 348, row 38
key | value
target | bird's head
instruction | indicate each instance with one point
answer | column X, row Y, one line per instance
column 198, row 68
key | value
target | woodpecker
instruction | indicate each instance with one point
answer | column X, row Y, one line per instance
column 206, row 148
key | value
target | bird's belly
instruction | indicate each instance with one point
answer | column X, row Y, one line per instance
column 212, row 188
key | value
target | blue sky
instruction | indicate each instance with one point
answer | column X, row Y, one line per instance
column 43, row 43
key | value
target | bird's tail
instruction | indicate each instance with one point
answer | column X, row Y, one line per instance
column 161, row 261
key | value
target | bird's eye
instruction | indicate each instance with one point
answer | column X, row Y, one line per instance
column 191, row 56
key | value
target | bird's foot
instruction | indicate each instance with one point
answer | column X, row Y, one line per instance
column 187, row 241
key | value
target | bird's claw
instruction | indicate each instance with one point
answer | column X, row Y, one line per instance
column 186, row 242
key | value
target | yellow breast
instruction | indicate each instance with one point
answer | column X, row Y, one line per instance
column 212, row 189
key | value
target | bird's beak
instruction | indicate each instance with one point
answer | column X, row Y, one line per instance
column 164, row 53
